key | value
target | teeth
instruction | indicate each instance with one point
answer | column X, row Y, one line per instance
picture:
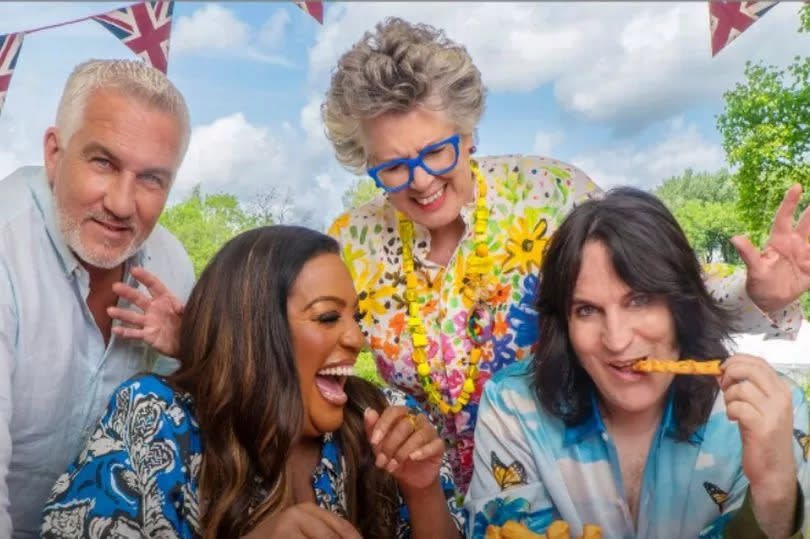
column 432, row 198
column 337, row 371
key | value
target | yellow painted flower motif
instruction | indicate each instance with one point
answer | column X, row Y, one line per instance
column 525, row 245
column 373, row 295
column 338, row 226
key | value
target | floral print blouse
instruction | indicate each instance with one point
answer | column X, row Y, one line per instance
column 528, row 197
column 138, row 473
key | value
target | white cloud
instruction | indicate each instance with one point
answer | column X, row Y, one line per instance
column 624, row 64
column 215, row 28
column 273, row 31
column 232, row 155
column 623, row 163
column 546, row 142
column 212, row 27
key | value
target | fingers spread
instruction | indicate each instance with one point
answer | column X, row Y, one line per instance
column 132, row 295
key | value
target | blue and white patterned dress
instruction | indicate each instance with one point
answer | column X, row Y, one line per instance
column 138, row 473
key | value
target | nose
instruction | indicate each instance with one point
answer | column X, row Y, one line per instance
column 353, row 337
column 120, row 196
column 617, row 333
column 421, row 179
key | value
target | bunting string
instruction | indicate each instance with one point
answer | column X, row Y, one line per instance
column 145, row 28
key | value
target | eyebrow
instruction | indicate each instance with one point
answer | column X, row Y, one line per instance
column 431, row 143
column 94, row 147
column 333, row 299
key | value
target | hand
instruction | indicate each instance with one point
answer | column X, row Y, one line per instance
column 304, row 520
column 406, row 445
column 781, row 272
column 158, row 323
column 761, row 403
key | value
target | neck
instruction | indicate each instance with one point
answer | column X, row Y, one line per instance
column 100, row 275
column 444, row 240
column 632, row 424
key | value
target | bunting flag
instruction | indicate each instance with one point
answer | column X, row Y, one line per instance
column 144, row 28
column 313, row 8
column 10, row 45
column 728, row 20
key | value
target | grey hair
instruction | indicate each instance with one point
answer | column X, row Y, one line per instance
column 131, row 78
column 399, row 66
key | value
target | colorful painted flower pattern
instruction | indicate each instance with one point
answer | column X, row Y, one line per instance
column 528, row 197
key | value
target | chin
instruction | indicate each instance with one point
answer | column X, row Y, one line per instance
column 327, row 420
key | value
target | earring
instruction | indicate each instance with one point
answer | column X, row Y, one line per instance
column 472, row 149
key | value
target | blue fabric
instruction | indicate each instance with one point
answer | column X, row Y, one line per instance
column 138, row 472
column 532, row 467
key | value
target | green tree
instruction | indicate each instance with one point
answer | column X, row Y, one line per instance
column 705, row 206
column 361, row 191
column 203, row 223
column 765, row 127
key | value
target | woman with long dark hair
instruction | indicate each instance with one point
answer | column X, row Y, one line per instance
column 263, row 432
column 578, row 433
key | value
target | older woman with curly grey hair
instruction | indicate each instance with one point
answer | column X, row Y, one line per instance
column 447, row 261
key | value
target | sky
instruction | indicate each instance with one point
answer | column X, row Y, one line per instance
column 628, row 92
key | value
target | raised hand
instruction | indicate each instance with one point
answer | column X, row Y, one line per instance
column 779, row 273
column 761, row 403
column 406, row 445
column 157, row 320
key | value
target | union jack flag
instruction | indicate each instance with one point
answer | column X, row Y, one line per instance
column 10, row 45
column 313, row 8
column 144, row 28
column 728, row 20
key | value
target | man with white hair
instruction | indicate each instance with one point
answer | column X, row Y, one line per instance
column 68, row 232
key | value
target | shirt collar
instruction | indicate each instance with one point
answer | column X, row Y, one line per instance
column 43, row 197
column 593, row 424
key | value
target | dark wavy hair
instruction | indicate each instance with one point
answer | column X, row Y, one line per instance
column 651, row 254
column 237, row 363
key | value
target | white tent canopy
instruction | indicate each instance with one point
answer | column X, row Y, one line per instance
column 790, row 357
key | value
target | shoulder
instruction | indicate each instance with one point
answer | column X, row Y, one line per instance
column 374, row 216
column 511, row 389
column 530, row 166
column 16, row 195
column 148, row 397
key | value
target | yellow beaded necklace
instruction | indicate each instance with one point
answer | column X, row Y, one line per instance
column 479, row 267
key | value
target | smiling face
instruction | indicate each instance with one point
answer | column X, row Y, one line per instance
column 432, row 201
column 611, row 327
column 322, row 313
column 111, row 181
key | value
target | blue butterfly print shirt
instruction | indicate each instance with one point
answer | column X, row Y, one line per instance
column 533, row 468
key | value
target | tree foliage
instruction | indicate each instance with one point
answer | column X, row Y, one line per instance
column 765, row 127
column 203, row 223
column 363, row 190
column 705, row 206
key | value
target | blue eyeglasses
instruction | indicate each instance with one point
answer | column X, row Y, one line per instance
column 436, row 159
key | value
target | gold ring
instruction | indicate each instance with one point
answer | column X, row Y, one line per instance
column 412, row 420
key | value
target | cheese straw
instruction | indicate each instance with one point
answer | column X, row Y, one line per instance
column 683, row 366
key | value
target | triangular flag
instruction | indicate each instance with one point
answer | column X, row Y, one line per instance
column 728, row 20
column 145, row 28
column 10, row 45
column 313, row 8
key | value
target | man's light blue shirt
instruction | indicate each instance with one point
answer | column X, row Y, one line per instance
column 56, row 373
column 532, row 467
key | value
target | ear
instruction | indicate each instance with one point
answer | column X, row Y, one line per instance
column 51, row 152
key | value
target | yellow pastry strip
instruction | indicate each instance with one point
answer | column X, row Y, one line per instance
column 683, row 366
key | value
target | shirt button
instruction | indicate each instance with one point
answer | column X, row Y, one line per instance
column 605, row 436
